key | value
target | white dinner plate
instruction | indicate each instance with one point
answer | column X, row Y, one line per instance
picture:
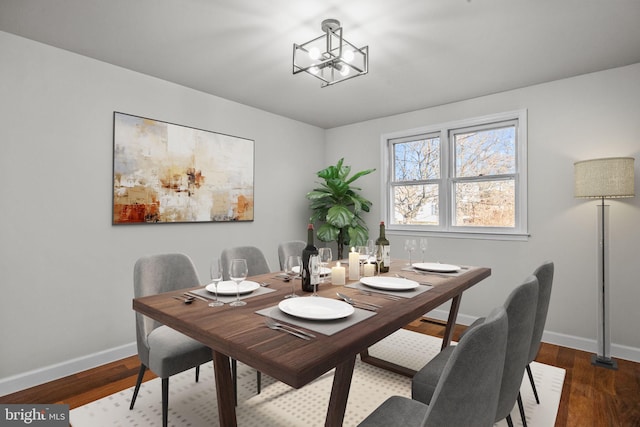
column 228, row 287
column 436, row 266
column 316, row 308
column 324, row 271
column 389, row 283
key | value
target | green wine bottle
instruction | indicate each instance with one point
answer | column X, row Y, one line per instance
column 384, row 249
column 310, row 249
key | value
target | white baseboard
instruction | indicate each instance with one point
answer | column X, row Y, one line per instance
column 569, row 341
column 50, row 373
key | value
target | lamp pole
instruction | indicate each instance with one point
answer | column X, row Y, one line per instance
column 603, row 356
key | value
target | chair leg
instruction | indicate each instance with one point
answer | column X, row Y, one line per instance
column 521, row 408
column 509, row 421
column 165, row 402
column 138, row 382
column 197, row 373
column 533, row 384
column 259, row 379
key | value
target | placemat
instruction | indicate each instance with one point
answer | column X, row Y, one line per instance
column 325, row 327
column 463, row 269
column 404, row 294
column 203, row 292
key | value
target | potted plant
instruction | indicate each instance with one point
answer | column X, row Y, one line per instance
column 338, row 207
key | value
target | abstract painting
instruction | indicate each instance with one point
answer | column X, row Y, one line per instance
column 167, row 173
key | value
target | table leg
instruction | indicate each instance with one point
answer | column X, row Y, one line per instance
column 384, row 364
column 407, row 372
column 224, row 390
column 340, row 392
column 451, row 322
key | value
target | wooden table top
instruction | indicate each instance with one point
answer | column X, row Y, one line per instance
column 240, row 333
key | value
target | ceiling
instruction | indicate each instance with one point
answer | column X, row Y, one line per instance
column 422, row 52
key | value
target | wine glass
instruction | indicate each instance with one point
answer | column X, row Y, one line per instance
column 314, row 271
column 410, row 246
column 364, row 255
column 424, row 244
column 371, row 245
column 216, row 277
column 238, row 272
column 325, row 259
column 293, row 263
column 379, row 257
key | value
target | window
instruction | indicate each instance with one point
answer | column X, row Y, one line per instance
column 467, row 177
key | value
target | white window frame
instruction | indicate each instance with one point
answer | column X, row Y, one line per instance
column 446, row 187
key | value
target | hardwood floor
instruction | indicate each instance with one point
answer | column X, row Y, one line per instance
column 591, row 396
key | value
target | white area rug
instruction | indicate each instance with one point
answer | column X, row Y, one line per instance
column 194, row 404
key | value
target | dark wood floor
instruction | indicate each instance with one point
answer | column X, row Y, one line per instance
column 591, row 396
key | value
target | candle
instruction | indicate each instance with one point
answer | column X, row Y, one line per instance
column 369, row 270
column 354, row 265
column 338, row 274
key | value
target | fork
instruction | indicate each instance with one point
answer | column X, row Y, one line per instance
column 272, row 324
column 380, row 294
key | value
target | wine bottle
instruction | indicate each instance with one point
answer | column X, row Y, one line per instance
column 310, row 249
column 382, row 244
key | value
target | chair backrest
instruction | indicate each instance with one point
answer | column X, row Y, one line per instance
column 292, row 247
column 155, row 274
column 256, row 261
column 544, row 274
column 467, row 391
column 521, row 312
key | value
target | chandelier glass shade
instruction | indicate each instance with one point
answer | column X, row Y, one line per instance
column 330, row 57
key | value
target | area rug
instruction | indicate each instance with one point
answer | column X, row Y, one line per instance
column 193, row 404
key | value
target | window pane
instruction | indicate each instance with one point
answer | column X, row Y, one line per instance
column 485, row 204
column 417, row 160
column 486, row 152
column 415, row 204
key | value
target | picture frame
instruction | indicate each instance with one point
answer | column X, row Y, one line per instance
column 169, row 173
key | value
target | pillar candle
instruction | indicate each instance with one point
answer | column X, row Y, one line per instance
column 338, row 274
column 369, row 270
column 354, row 265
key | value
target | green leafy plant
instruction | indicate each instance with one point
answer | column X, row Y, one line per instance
column 337, row 205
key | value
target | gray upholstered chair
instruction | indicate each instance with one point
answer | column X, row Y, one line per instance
column 286, row 249
column 544, row 273
column 161, row 349
column 256, row 264
column 256, row 261
column 467, row 390
column 521, row 308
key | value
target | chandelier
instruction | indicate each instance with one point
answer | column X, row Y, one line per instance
column 330, row 57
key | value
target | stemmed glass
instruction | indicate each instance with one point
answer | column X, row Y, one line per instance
column 410, row 246
column 314, row 271
column 371, row 245
column 216, row 277
column 364, row 255
column 325, row 258
column 293, row 263
column 238, row 272
column 379, row 257
column 424, row 244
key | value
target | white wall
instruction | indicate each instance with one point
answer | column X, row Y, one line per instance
column 66, row 272
column 595, row 115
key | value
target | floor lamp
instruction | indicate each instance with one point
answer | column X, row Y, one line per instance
column 604, row 179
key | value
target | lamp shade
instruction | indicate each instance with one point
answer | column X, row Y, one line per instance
column 610, row 177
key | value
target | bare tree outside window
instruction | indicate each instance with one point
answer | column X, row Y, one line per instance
column 416, row 166
column 465, row 178
column 485, row 163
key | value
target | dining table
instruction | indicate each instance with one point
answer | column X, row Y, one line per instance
column 240, row 333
